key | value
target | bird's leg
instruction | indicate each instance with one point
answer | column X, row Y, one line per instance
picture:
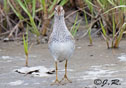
column 56, row 81
column 65, row 76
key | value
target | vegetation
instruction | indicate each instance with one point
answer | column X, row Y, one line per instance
column 27, row 48
column 109, row 15
column 25, row 43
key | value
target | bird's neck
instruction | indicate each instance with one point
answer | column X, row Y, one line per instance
column 59, row 23
column 59, row 19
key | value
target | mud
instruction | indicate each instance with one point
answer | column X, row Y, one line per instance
column 86, row 65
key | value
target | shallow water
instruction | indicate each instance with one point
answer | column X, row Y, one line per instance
column 86, row 65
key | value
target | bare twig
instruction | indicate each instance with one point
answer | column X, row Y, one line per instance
column 30, row 47
column 16, row 26
column 71, row 14
column 5, row 33
column 90, row 25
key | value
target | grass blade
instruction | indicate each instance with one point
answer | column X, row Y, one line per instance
column 15, row 11
column 33, row 8
column 89, row 34
column 104, row 34
column 75, row 22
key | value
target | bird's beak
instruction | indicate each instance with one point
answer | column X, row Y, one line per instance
column 58, row 11
column 59, row 14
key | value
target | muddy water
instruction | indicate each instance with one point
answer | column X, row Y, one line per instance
column 88, row 64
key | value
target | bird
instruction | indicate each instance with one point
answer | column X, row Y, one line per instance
column 61, row 43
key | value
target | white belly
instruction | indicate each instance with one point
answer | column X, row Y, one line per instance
column 62, row 51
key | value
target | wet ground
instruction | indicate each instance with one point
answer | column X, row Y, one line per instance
column 90, row 66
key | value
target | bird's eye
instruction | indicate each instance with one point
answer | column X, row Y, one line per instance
column 55, row 9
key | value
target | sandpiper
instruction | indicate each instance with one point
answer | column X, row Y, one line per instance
column 61, row 42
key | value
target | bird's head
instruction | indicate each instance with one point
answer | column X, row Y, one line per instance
column 59, row 11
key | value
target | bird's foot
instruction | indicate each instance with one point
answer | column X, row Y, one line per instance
column 65, row 78
column 56, row 82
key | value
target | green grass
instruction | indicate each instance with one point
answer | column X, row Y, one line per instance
column 75, row 26
column 104, row 35
column 25, row 43
column 32, row 22
column 38, row 13
column 89, row 29
column 112, row 15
